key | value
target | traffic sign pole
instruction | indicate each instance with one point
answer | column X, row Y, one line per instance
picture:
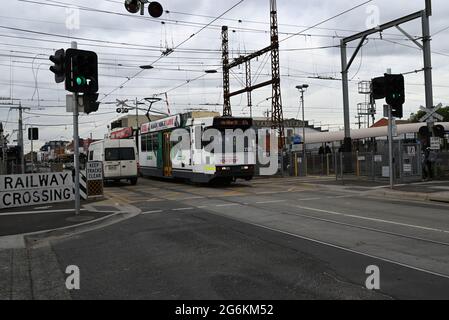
column 76, row 148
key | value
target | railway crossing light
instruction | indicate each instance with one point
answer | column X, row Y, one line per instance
column 133, row 6
column 81, row 69
column 155, row 9
column 439, row 131
column 59, row 68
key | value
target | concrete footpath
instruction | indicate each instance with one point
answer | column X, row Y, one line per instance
column 28, row 266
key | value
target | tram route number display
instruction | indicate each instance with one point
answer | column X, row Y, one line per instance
column 31, row 189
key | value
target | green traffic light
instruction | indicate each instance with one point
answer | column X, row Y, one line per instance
column 80, row 81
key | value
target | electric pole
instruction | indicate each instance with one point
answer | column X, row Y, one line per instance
column 20, row 137
column 3, row 146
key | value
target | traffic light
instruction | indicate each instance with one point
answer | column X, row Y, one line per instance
column 59, row 68
column 81, row 69
column 378, row 88
column 439, row 131
column 395, row 93
column 33, row 134
column 90, row 102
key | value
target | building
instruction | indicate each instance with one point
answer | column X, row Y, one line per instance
column 52, row 150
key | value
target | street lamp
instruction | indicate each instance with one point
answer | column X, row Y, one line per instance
column 303, row 88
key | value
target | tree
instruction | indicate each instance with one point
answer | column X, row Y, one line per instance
column 414, row 117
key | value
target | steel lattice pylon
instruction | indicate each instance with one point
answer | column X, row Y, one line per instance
column 277, row 114
column 227, row 111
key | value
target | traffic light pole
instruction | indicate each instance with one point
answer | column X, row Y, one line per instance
column 390, row 146
column 76, row 148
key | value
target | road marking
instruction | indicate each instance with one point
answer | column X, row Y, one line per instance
column 272, row 192
column 228, row 205
column 37, row 212
column 183, row 209
column 191, row 198
column 154, row 211
column 374, row 219
column 273, row 201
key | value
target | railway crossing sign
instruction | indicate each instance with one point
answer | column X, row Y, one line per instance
column 122, row 106
column 94, row 174
column 431, row 114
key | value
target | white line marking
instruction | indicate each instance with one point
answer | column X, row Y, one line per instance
column 374, row 219
column 228, row 205
column 273, row 201
column 272, row 192
column 202, row 207
column 191, row 198
column 37, row 212
column 155, row 211
column 182, row 209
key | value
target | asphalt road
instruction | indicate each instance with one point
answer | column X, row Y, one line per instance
column 266, row 239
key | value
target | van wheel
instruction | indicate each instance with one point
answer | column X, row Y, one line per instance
column 133, row 181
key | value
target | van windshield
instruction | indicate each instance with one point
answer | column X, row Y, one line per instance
column 120, row 154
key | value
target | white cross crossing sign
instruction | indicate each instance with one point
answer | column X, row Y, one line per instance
column 431, row 114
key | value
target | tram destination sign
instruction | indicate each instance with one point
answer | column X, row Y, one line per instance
column 32, row 189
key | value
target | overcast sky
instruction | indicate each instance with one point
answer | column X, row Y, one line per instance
column 32, row 30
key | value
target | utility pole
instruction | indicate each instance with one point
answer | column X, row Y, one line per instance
column 4, row 153
column 20, row 136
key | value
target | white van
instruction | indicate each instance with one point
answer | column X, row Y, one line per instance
column 119, row 159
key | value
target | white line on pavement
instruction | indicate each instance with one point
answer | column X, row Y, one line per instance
column 273, row 201
column 182, row 209
column 374, row 219
column 151, row 212
column 37, row 212
column 228, row 205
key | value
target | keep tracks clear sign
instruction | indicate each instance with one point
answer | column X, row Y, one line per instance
column 30, row 189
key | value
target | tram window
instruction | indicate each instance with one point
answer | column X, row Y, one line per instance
column 143, row 143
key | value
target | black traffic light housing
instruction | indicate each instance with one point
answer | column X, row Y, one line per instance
column 81, row 69
column 378, row 88
column 33, row 134
column 90, row 103
column 395, row 93
column 439, row 131
column 59, row 68
column 392, row 88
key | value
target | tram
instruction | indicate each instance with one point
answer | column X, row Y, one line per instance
column 174, row 147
